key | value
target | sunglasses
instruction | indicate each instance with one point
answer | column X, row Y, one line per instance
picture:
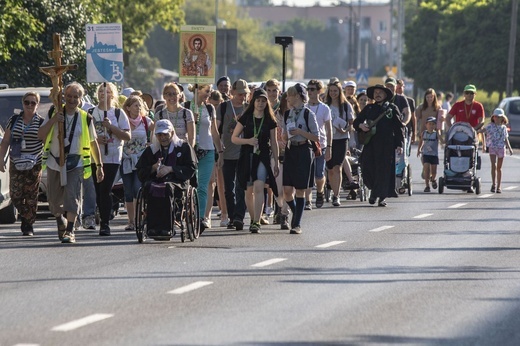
column 170, row 94
column 27, row 103
column 469, row 93
column 312, row 89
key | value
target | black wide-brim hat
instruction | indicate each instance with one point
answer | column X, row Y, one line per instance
column 370, row 91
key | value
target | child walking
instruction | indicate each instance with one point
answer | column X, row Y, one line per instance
column 496, row 141
column 429, row 148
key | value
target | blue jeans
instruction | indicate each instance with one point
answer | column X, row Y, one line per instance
column 234, row 193
column 89, row 198
column 131, row 184
column 204, row 171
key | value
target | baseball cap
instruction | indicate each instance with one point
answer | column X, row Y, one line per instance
column 223, row 79
column 127, row 91
column 499, row 112
column 470, row 87
column 391, row 80
column 163, row 126
column 431, row 120
column 349, row 83
column 260, row 93
column 240, row 86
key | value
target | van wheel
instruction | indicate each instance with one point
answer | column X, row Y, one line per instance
column 9, row 214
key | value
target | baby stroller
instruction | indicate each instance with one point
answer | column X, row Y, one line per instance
column 461, row 160
column 357, row 188
column 403, row 172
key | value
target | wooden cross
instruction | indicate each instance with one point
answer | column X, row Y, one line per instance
column 55, row 73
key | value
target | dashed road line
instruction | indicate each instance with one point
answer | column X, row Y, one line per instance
column 458, row 205
column 268, row 262
column 67, row 327
column 27, row 345
column 380, row 229
column 486, row 195
column 422, row 216
column 190, row 287
column 510, row 188
column 332, row 243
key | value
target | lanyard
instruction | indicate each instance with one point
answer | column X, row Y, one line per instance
column 468, row 114
column 255, row 131
column 199, row 111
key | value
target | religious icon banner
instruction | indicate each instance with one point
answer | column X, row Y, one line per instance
column 104, row 53
column 197, row 54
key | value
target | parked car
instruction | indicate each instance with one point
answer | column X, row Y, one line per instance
column 8, row 213
column 511, row 106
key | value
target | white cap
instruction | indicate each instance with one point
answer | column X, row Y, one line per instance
column 349, row 83
column 163, row 126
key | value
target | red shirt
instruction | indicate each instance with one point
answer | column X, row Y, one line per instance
column 471, row 114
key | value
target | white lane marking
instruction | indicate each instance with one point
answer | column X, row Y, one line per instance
column 510, row 187
column 27, row 345
column 81, row 322
column 422, row 216
column 458, row 205
column 332, row 243
column 382, row 228
column 269, row 262
column 486, row 195
column 190, row 287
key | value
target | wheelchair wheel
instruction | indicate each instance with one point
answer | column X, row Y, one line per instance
column 363, row 190
column 192, row 214
column 140, row 217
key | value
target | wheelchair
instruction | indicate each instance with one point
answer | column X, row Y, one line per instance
column 183, row 215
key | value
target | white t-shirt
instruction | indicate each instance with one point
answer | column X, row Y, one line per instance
column 322, row 112
column 177, row 120
column 204, row 139
column 115, row 145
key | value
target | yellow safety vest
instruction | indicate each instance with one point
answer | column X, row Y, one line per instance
column 84, row 142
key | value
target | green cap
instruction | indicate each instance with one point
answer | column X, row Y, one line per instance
column 470, row 87
column 391, row 80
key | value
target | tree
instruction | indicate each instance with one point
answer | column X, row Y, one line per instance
column 15, row 16
column 140, row 73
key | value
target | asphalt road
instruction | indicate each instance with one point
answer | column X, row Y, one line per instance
column 428, row 269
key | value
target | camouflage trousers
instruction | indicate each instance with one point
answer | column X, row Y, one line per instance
column 23, row 188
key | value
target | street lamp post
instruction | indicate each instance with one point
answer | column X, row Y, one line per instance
column 284, row 41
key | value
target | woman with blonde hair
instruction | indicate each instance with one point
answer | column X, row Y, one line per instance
column 112, row 128
column 181, row 117
column 140, row 126
column 206, row 140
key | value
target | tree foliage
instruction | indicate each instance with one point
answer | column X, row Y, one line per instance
column 32, row 24
column 140, row 72
column 459, row 42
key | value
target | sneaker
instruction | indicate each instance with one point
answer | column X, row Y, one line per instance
column 69, row 237
column 296, row 230
column 61, row 221
column 230, row 225
column 284, row 222
column 130, row 227
column 239, row 225
column 254, row 227
column 319, row 199
column 493, row 188
column 224, row 223
column 308, row 205
column 269, row 211
column 104, row 231
column 264, row 220
column 276, row 219
column 27, row 229
column 89, row 222
column 206, row 223
column 335, row 201
column 434, row 183
column 427, row 189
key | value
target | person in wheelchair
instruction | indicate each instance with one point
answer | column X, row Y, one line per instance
column 164, row 169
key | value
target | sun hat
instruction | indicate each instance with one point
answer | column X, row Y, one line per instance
column 370, row 91
column 470, row 87
column 163, row 126
column 240, row 86
column 148, row 99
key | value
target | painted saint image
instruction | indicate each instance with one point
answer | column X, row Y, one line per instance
column 197, row 61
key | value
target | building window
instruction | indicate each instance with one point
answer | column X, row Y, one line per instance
column 382, row 26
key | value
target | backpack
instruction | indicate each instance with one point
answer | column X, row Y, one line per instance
column 316, row 147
